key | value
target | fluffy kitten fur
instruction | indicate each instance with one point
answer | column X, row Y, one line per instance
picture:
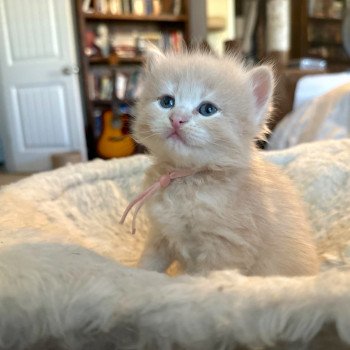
column 238, row 211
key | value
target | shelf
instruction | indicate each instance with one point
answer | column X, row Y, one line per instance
column 338, row 60
column 103, row 103
column 113, row 60
column 108, row 103
column 325, row 19
column 98, row 60
column 316, row 43
column 144, row 18
column 331, row 60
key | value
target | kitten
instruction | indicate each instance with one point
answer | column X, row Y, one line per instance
column 237, row 211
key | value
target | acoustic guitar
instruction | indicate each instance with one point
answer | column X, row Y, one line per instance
column 115, row 140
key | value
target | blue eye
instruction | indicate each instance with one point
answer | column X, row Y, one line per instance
column 207, row 109
column 167, row 101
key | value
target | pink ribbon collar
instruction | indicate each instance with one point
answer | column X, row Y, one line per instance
column 163, row 182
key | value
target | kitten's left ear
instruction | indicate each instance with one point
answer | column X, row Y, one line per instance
column 153, row 56
column 262, row 83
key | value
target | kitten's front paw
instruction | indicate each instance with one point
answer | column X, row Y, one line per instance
column 153, row 263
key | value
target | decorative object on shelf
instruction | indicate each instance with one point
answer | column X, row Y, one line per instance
column 91, row 49
column 102, row 39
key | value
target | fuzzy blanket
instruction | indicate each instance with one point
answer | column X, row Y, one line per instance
column 67, row 276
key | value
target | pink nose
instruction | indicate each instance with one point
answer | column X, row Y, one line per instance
column 177, row 120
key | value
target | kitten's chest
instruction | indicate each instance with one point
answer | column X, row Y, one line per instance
column 187, row 207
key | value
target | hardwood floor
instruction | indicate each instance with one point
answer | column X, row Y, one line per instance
column 7, row 178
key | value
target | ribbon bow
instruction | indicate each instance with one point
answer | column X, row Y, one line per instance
column 163, row 182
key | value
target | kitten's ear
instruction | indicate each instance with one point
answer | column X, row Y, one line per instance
column 262, row 84
column 153, row 56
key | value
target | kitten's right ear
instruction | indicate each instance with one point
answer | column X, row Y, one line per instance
column 262, row 84
column 153, row 56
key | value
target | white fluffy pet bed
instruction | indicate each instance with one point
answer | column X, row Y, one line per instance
column 68, row 281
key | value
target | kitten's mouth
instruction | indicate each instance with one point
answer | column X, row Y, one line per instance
column 176, row 136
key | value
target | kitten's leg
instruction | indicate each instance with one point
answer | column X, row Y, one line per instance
column 156, row 255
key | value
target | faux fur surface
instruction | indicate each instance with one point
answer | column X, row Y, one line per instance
column 67, row 276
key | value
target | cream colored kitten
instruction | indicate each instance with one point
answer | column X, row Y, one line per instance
column 238, row 211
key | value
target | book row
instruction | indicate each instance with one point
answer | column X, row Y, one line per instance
column 133, row 7
column 104, row 41
column 106, row 85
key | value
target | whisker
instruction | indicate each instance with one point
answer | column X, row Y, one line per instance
column 149, row 135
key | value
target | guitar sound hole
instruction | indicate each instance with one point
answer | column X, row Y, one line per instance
column 126, row 128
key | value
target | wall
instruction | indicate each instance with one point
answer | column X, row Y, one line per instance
column 198, row 23
column 221, row 8
column 2, row 158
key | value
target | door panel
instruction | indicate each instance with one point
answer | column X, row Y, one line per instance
column 31, row 29
column 34, row 104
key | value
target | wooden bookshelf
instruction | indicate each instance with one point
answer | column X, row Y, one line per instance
column 167, row 22
column 317, row 32
column 145, row 18
column 97, row 102
column 115, row 60
column 108, row 102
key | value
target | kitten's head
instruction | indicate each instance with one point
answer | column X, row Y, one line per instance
column 197, row 110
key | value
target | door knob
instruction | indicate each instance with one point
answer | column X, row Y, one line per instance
column 69, row 70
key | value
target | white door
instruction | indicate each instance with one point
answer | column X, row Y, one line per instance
column 40, row 102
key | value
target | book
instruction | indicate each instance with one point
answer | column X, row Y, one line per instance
column 101, row 6
column 87, row 6
column 115, row 7
column 148, row 7
column 157, row 7
column 106, row 88
column 177, row 7
column 131, row 43
column 153, row 37
column 126, row 7
column 133, row 85
column 138, row 7
column 124, row 43
column 92, row 86
column 120, row 85
column 98, row 122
